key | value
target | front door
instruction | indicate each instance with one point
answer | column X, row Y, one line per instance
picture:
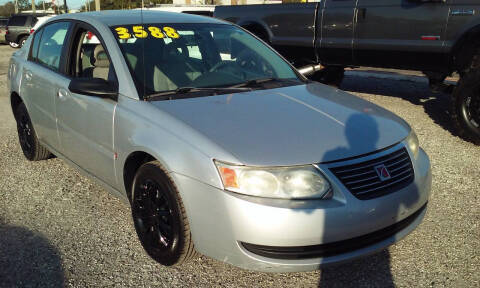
column 334, row 39
column 401, row 34
column 85, row 123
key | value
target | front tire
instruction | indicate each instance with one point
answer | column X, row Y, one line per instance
column 159, row 216
column 466, row 106
column 31, row 147
column 13, row 44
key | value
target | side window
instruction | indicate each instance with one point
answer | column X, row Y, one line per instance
column 51, row 44
column 17, row 21
column 35, row 45
column 91, row 58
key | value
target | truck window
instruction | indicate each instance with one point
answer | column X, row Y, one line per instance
column 17, row 21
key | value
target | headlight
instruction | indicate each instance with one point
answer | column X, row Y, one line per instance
column 299, row 182
column 412, row 142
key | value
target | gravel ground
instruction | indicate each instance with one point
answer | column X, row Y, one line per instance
column 58, row 228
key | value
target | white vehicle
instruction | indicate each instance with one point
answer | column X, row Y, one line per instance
column 40, row 21
column 204, row 10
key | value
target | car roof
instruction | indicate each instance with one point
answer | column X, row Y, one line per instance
column 128, row 17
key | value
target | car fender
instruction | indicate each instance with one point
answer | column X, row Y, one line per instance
column 155, row 132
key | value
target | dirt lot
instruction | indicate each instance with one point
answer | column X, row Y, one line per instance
column 58, row 228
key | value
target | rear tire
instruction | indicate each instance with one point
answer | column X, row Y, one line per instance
column 330, row 75
column 466, row 106
column 31, row 147
column 159, row 216
column 13, row 44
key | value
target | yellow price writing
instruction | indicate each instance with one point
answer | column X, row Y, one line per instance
column 122, row 33
column 172, row 33
column 141, row 32
column 156, row 32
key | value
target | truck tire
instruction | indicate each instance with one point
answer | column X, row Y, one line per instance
column 466, row 106
column 22, row 41
column 330, row 75
column 258, row 31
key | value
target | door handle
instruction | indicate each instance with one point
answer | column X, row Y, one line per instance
column 28, row 75
column 62, row 93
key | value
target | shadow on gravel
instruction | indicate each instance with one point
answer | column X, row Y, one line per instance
column 27, row 259
column 436, row 105
column 372, row 271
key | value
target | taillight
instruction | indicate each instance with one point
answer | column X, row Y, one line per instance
column 6, row 31
column 32, row 30
column 89, row 35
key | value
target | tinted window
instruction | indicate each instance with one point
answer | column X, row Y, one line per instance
column 36, row 42
column 51, row 44
column 92, row 60
column 17, row 21
column 164, row 57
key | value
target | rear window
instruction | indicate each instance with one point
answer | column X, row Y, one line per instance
column 17, row 21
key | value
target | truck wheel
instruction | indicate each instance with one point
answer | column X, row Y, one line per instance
column 258, row 31
column 466, row 106
column 31, row 147
column 159, row 216
column 330, row 75
column 22, row 41
column 13, row 44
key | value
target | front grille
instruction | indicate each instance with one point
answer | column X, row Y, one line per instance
column 363, row 181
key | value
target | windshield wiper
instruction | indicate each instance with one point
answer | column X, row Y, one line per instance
column 169, row 95
column 257, row 82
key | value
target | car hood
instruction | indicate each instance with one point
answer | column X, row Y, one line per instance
column 294, row 125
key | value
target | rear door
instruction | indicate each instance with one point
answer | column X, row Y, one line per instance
column 40, row 75
column 401, row 34
column 336, row 21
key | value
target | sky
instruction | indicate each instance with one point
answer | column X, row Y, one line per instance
column 72, row 4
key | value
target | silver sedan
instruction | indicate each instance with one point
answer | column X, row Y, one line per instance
column 220, row 146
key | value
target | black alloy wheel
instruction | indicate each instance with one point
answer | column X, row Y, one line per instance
column 159, row 216
column 31, row 147
column 25, row 135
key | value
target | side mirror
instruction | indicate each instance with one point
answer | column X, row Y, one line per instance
column 96, row 87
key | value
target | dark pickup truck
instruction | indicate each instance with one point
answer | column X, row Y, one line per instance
column 438, row 37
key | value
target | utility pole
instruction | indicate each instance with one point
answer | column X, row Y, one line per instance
column 65, row 5
column 97, row 5
column 33, row 7
column 43, row 6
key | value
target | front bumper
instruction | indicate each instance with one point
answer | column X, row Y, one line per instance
column 223, row 222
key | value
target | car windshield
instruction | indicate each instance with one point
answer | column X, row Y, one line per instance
column 173, row 57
